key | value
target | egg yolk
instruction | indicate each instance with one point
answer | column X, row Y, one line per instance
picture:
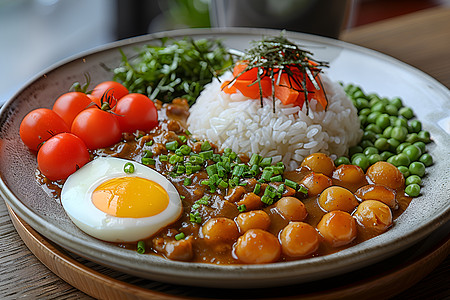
column 130, row 197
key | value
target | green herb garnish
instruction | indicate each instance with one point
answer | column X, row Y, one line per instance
column 177, row 70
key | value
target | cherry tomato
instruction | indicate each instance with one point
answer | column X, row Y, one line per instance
column 115, row 90
column 39, row 125
column 97, row 128
column 62, row 155
column 69, row 105
column 136, row 112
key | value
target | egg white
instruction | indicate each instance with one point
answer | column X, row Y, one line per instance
column 77, row 202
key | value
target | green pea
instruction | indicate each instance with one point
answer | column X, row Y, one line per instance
column 404, row 170
column 342, row 161
column 358, row 94
column 393, row 119
column 397, row 102
column 391, row 110
column 374, row 100
column 379, row 106
column 370, row 150
column 372, row 117
column 373, row 158
column 393, row 144
column 354, row 149
column 402, row 122
column 361, row 103
column 415, row 126
column 412, row 137
column 385, row 155
column 403, row 160
column 406, row 112
column 426, row 159
column 402, row 146
column 362, row 120
column 421, row 146
column 381, row 144
column 399, row 133
column 366, row 143
column 369, row 135
column 413, row 152
column 382, row 121
column 413, row 179
column 424, row 136
column 412, row 190
column 361, row 161
column 365, row 112
column 387, row 132
column 372, row 96
column 356, row 155
column 374, row 128
column 417, row 168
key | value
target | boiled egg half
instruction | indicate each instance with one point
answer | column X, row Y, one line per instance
column 114, row 201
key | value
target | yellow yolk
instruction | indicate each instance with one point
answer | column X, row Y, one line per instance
column 130, row 197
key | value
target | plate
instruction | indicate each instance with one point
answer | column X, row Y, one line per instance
column 373, row 71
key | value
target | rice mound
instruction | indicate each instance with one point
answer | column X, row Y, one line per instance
column 288, row 135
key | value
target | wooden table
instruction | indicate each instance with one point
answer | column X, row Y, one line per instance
column 421, row 39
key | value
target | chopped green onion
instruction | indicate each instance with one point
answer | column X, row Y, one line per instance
column 277, row 178
column 197, row 160
column 255, row 159
column 187, row 181
column 211, row 170
column 266, row 174
column 242, row 208
column 265, row 162
column 206, row 154
column 148, row 161
column 206, row 146
column 149, row 143
column 172, row 145
column 128, row 168
column 222, row 184
column 181, row 169
column 182, row 138
column 303, row 190
column 163, row 158
column 266, row 200
column 141, row 247
column 291, row 184
column 187, row 132
column 185, row 149
column 280, row 188
column 148, row 153
column 180, row 236
column 257, row 189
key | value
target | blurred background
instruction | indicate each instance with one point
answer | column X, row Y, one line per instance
column 34, row 34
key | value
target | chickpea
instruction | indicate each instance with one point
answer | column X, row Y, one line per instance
column 257, row 246
column 338, row 228
column 337, row 198
column 220, row 230
column 251, row 201
column 349, row 174
column 386, row 174
column 374, row 215
column 316, row 183
column 377, row 192
column 299, row 239
column 180, row 250
column 255, row 219
column 319, row 163
column 291, row 209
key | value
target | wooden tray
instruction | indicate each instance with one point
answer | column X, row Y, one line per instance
column 381, row 280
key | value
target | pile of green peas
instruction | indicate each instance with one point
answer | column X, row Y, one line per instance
column 390, row 134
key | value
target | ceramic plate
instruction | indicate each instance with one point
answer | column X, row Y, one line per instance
column 373, row 71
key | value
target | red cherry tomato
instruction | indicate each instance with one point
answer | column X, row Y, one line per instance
column 136, row 112
column 62, row 155
column 115, row 90
column 69, row 105
column 39, row 125
column 97, row 128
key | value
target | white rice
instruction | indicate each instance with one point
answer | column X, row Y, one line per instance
column 288, row 135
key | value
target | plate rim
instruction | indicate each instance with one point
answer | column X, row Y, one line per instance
column 27, row 214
